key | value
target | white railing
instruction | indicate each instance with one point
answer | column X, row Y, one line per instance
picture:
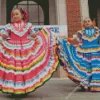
column 60, row 30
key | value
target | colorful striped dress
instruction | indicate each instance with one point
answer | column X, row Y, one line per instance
column 26, row 63
column 83, row 62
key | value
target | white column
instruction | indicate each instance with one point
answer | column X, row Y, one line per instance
column 84, row 9
column 52, row 12
column 2, row 12
column 61, row 12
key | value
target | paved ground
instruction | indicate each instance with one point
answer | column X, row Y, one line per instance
column 56, row 89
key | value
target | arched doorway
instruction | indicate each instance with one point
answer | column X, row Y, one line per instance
column 41, row 5
column 94, row 10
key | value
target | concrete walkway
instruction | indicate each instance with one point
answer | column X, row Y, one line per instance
column 56, row 89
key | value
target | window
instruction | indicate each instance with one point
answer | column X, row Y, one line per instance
column 35, row 12
column 38, row 10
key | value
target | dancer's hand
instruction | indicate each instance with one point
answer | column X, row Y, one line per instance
column 3, row 35
column 33, row 35
column 73, row 41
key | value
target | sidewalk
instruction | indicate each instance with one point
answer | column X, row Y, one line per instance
column 56, row 89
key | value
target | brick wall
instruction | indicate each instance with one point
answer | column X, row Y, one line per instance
column 73, row 16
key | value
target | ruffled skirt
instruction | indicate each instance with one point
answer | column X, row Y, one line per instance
column 82, row 64
column 26, row 65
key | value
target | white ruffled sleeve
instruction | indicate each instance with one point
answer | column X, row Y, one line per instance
column 4, row 31
column 32, row 31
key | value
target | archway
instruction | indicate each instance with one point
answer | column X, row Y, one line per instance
column 45, row 7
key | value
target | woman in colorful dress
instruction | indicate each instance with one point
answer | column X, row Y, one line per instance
column 27, row 59
column 81, row 55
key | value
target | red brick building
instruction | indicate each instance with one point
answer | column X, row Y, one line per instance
column 77, row 10
column 73, row 16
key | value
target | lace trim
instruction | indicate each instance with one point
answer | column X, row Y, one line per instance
column 90, row 38
column 9, row 27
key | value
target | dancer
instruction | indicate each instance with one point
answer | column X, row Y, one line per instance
column 82, row 57
column 27, row 59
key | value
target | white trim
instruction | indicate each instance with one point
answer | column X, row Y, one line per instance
column 9, row 27
column 84, row 9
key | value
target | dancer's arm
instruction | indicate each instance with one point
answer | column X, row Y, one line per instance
column 4, row 33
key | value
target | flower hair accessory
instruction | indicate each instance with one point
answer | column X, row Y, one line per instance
column 24, row 13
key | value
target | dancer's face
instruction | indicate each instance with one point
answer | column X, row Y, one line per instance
column 87, row 23
column 16, row 15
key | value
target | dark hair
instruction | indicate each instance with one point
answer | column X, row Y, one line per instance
column 22, row 12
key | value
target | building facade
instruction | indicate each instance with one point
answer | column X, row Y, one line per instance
column 54, row 12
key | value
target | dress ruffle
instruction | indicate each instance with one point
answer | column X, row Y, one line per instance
column 26, row 65
column 82, row 66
